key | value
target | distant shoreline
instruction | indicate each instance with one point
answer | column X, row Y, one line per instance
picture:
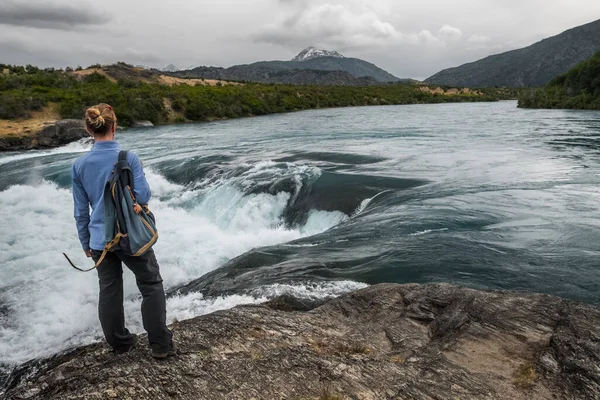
column 26, row 139
column 33, row 100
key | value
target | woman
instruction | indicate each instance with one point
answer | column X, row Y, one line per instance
column 90, row 173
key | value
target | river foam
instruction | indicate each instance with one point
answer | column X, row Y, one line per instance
column 79, row 146
column 47, row 307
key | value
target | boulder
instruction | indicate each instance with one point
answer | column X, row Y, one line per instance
column 142, row 124
column 60, row 133
column 54, row 134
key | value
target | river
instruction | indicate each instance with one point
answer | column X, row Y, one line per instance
column 316, row 203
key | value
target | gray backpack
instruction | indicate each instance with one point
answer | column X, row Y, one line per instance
column 129, row 227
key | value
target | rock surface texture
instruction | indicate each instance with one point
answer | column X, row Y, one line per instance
column 383, row 342
column 56, row 134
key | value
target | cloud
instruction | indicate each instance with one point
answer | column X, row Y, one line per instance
column 50, row 15
column 343, row 27
column 327, row 24
column 423, row 37
column 129, row 54
column 406, row 38
column 478, row 39
column 18, row 47
column 450, row 33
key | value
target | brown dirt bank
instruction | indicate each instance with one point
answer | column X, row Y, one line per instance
column 119, row 71
column 30, row 126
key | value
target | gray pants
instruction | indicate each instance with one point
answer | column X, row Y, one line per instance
column 110, row 307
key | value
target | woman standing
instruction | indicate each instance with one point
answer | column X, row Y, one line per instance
column 90, row 173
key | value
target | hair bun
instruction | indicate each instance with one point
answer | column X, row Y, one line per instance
column 94, row 117
column 92, row 113
column 100, row 118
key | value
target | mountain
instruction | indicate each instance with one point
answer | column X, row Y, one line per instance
column 266, row 74
column 310, row 67
column 535, row 65
column 170, row 68
column 312, row 52
column 579, row 89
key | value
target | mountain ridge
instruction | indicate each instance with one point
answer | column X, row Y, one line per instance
column 310, row 67
column 577, row 89
column 534, row 65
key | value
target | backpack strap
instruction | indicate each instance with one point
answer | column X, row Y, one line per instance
column 123, row 170
column 122, row 177
column 108, row 247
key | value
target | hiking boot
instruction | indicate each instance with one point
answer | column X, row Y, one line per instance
column 161, row 355
column 125, row 349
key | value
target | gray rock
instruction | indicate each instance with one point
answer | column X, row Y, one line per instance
column 10, row 143
column 383, row 342
column 62, row 132
column 142, row 124
column 52, row 135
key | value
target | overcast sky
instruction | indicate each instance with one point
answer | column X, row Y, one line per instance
column 410, row 38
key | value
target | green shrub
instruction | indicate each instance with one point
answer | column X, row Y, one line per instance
column 29, row 89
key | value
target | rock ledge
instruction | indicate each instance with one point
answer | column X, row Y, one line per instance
column 383, row 342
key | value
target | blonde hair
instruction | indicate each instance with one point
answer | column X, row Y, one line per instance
column 100, row 118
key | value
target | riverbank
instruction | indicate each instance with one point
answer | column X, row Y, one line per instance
column 44, row 129
column 33, row 135
column 386, row 341
column 140, row 95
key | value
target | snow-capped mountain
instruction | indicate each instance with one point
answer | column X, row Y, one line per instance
column 311, row 67
column 174, row 68
column 170, row 68
column 312, row 52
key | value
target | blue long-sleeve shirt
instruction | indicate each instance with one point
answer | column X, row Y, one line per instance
column 90, row 173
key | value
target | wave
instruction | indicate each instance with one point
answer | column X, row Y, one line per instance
column 31, row 167
column 46, row 307
column 79, row 146
column 212, row 215
column 333, row 158
column 186, row 306
column 309, row 187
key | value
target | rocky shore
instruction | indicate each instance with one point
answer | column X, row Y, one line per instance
column 53, row 134
column 383, row 342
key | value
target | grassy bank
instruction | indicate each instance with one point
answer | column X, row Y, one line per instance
column 27, row 90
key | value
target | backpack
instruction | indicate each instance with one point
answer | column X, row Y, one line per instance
column 129, row 227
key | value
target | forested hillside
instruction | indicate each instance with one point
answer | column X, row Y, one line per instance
column 579, row 89
column 535, row 65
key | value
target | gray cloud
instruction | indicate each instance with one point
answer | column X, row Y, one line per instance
column 408, row 38
column 346, row 27
column 50, row 15
column 329, row 25
column 66, row 51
